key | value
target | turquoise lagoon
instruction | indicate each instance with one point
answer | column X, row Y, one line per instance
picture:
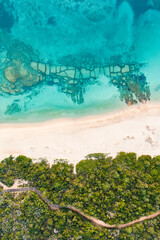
column 77, row 57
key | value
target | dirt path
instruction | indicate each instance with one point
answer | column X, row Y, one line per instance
column 57, row 207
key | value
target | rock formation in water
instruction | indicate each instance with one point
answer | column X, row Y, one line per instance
column 21, row 73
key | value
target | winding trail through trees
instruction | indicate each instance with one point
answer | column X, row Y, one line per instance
column 57, row 207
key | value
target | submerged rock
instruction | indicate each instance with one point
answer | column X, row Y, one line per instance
column 13, row 108
column 126, row 77
column 34, row 65
column 15, row 72
column 133, row 88
column 22, row 71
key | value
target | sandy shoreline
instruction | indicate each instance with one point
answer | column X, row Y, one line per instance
column 135, row 129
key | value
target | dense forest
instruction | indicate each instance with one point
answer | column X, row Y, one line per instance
column 115, row 190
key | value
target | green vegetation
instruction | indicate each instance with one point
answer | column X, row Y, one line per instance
column 115, row 190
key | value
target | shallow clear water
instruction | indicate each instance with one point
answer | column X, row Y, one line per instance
column 86, row 42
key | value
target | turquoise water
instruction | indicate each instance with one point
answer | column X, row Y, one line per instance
column 76, row 57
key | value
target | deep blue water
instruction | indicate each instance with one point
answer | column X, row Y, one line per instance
column 81, row 38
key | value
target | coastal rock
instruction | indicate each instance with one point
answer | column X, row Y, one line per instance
column 73, row 79
column 34, row 65
column 70, row 73
column 70, row 91
column 101, row 71
column 29, row 81
column 42, row 67
column 10, row 74
column 117, row 69
column 85, row 73
column 53, row 69
column 58, row 68
column 96, row 71
column 56, row 80
column 111, row 68
column 5, row 89
column 13, row 73
column 106, row 71
column 63, row 68
column 23, row 71
column 93, row 74
column 77, row 74
column 114, row 74
column 47, row 69
column 40, row 77
column 125, row 69
column 62, row 74
column 71, row 82
column 114, row 81
column 119, row 74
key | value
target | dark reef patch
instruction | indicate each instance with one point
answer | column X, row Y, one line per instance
column 51, row 21
column 13, row 108
column 139, row 7
column 6, row 17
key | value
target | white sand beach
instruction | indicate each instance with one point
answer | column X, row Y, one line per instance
column 135, row 129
